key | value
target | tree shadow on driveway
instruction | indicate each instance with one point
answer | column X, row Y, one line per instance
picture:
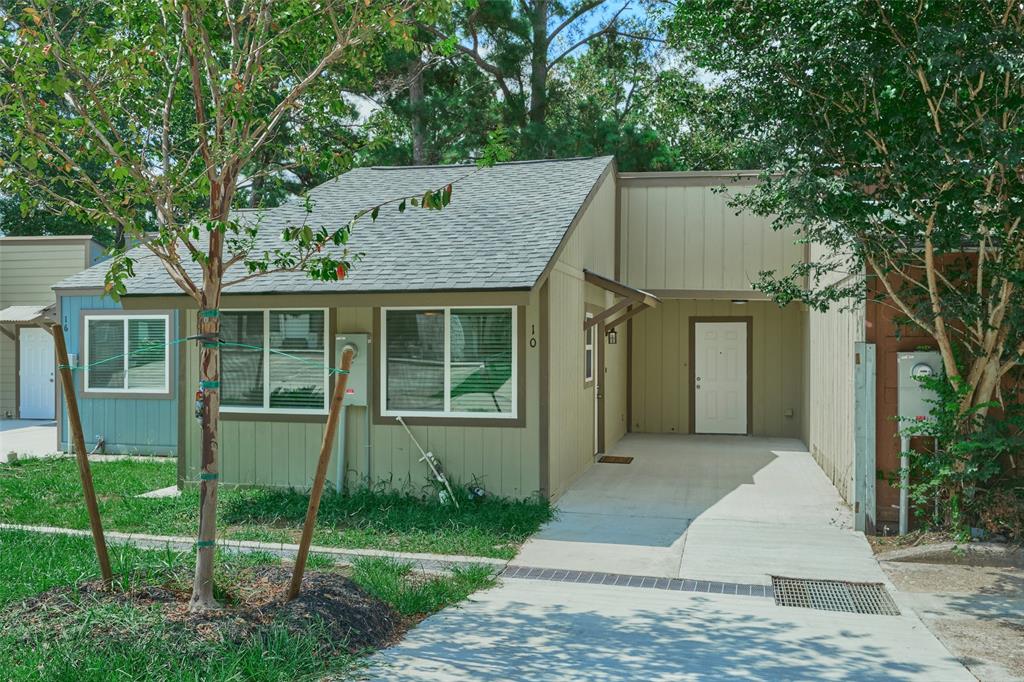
column 631, row 634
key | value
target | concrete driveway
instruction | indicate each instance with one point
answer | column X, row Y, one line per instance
column 532, row 631
column 723, row 514
column 723, row 508
column 30, row 437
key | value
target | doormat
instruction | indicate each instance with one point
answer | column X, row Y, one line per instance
column 614, row 459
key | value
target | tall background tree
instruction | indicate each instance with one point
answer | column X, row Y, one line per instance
column 896, row 127
column 133, row 113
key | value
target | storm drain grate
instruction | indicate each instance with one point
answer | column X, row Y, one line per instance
column 834, row 595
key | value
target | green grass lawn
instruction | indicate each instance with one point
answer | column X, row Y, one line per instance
column 109, row 640
column 48, row 492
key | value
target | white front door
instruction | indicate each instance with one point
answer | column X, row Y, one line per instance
column 720, row 377
column 35, row 373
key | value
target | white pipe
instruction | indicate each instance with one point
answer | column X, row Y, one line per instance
column 904, row 482
column 342, row 418
column 338, row 484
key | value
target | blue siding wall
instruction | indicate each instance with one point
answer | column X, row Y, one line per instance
column 147, row 426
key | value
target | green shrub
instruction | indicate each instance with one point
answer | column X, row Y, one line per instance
column 965, row 482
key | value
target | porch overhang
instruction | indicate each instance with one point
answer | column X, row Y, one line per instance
column 632, row 302
column 12, row 316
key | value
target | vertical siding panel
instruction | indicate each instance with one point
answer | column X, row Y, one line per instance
column 510, row 463
column 636, row 272
column 491, row 448
column 732, row 248
column 773, row 370
column 404, row 466
column 455, row 452
column 262, row 454
column 281, row 454
column 753, row 248
column 625, row 226
column 682, row 375
column 246, row 451
column 669, row 362
column 654, row 277
column 792, row 374
column 474, row 455
column 438, row 444
column 675, row 240
column 693, row 226
column 712, row 227
column 642, row 330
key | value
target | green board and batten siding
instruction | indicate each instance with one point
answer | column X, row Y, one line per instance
column 29, row 267
column 661, row 369
column 571, row 444
column 686, row 238
column 254, row 451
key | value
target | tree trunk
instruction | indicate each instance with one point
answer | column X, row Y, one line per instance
column 419, row 153
column 539, row 64
column 987, row 385
column 209, row 377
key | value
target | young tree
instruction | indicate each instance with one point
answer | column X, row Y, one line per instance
column 122, row 111
column 896, row 126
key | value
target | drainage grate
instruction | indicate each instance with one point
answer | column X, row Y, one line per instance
column 834, row 595
column 624, row 580
column 614, row 459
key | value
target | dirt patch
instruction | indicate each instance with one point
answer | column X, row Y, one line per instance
column 976, row 611
column 886, row 543
column 330, row 607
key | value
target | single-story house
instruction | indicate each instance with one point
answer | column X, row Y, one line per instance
column 549, row 309
column 29, row 267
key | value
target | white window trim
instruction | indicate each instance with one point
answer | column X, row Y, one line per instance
column 266, row 408
column 124, row 320
column 447, row 413
column 589, row 337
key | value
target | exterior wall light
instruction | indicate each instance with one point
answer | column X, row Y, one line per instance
column 613, row 337
column 739, row 301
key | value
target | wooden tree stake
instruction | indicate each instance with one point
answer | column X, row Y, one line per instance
column 321, row 471
column 81, row 456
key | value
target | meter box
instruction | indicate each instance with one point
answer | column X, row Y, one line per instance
column 357, row 388
column 913, row 396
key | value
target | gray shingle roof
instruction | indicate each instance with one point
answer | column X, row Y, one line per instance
column 501, row 229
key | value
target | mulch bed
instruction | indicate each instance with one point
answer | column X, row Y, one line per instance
column 343, row 616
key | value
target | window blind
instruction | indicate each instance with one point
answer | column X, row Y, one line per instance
column 458, row 361
column 147, row 359
column 415, row 360
column 275, row 359
column 297, row 368
column 242, row 367
column 126, row 353
column 105, row 342
column 481, row 360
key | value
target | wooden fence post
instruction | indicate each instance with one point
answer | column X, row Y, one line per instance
column 337, row 399
column 81, row 456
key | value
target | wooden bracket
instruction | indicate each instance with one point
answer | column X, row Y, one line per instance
column 633, row 301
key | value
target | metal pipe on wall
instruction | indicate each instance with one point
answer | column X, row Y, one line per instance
column 904, row 483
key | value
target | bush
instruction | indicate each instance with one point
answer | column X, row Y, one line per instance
column 1001, row 512
column 965, row 482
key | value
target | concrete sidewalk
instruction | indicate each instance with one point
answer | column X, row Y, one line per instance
column 527, row 630
column 27, row 437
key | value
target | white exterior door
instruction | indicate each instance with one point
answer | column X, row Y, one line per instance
column 720, row 377
column 35, row 373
